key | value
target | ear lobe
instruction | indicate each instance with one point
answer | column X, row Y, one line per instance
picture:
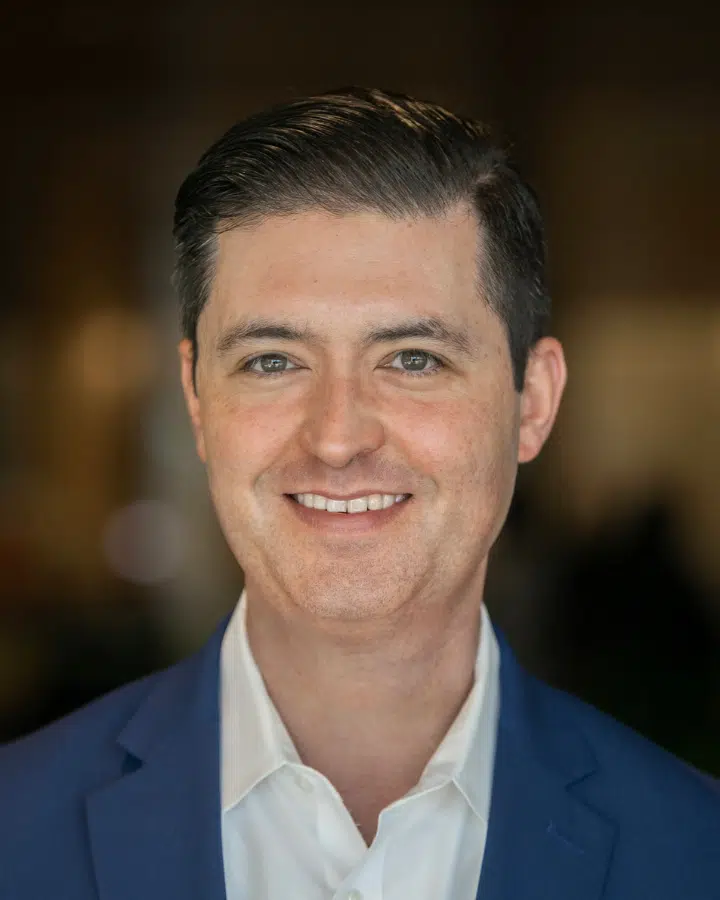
column 545, row 378
column 192, row 402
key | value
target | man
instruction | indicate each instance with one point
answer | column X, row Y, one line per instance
column 365, row 362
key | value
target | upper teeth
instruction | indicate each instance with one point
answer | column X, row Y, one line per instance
column 357, row 504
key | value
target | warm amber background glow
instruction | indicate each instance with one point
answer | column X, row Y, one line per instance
column 607, row 579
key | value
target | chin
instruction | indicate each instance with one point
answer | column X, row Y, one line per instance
column 361, row 601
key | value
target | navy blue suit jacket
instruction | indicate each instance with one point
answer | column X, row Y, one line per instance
column 121, row 801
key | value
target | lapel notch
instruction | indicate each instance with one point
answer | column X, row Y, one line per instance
column 155, row 832
column 544, row 842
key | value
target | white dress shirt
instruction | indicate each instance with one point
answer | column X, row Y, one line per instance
column 286, row 833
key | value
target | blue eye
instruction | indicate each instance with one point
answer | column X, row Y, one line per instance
column 423, row 355
column 275, row 370
column 280, row 362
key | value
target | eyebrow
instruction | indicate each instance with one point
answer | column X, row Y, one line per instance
column 425, row 327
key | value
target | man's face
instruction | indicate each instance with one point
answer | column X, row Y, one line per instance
column 346, row 417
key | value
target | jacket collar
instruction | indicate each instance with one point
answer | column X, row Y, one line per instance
column 155, row 832
column 543, row 842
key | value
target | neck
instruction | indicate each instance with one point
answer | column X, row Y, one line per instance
column 371, row 711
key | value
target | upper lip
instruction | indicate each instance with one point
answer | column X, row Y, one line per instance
column 332, row 496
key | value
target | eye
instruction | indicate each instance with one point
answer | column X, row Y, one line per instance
column 416, row 359
column 276, row 364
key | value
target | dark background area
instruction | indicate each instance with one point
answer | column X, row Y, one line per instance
column 607, row 578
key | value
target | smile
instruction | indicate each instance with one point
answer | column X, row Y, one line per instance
column 348, row 522
column 352, row 506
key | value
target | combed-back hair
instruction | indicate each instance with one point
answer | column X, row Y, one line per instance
column 359, row 149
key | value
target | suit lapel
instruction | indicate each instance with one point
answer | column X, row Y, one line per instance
column 543, row 842
column 155, row 833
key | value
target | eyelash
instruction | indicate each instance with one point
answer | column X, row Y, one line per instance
column 439, row 367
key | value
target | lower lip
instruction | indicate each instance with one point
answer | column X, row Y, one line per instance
column 347, row 523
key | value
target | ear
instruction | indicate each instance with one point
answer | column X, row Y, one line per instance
column 192, row 401
column 545, row 378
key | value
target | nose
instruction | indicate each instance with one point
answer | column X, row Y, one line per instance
column 340, row 422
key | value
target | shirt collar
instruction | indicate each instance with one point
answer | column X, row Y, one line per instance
column 473, row 772
column 465, row 756
column 255, row 742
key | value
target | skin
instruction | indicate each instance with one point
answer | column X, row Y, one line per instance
column 367, row 645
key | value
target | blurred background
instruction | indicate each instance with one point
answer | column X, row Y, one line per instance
column 607, row 578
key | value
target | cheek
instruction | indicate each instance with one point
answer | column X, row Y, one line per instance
column 471, row 440
column 239, row 439
column 240, row 444
column 470, row 452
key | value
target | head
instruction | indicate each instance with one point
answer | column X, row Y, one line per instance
column 334, row 218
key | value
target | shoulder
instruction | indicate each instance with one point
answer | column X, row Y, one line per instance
column 564, row 730
column 53, row 767
column 82, row 751
column 48, row 777
column 658, row 802
column 44, row 781
column 623, row 753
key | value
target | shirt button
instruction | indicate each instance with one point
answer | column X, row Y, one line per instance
column 354, row 895
column 303, row 783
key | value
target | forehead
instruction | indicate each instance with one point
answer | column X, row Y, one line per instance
column 366, row 258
